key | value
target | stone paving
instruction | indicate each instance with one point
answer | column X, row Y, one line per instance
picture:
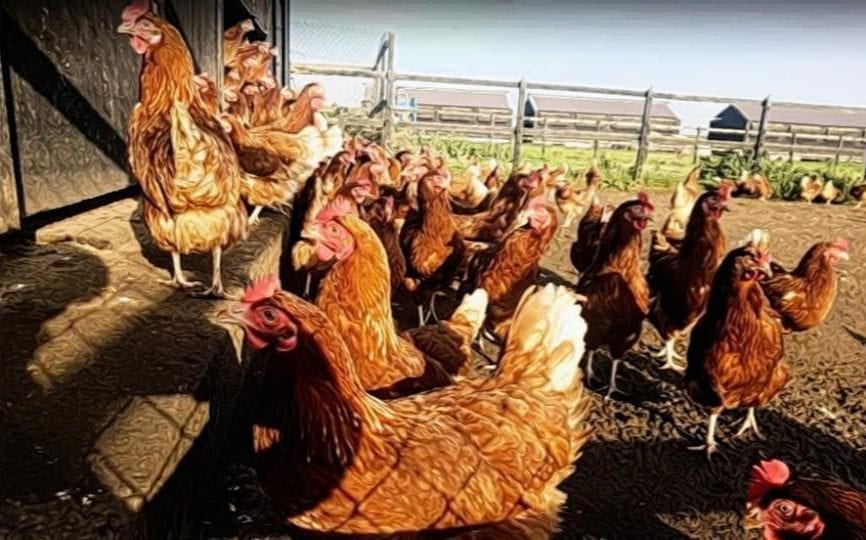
column 109, row 378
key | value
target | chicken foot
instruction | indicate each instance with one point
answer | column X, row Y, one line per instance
column 751, row 422
column 178, row 278
column 710, row 445
column 612, row 387
column 670, row 353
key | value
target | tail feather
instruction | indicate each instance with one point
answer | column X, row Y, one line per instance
column 546, row 339
column 469, row 316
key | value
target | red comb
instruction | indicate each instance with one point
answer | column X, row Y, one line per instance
column 724, row 190
column 643, row 198
column 135, row 10
column 767, row 475
column 337, row 208
column 261, row 288
column 841, row 243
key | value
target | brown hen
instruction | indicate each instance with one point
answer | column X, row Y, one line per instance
column 178, row 153
column 487, row 452
column 736, row 348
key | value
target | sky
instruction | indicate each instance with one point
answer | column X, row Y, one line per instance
column 793, row 51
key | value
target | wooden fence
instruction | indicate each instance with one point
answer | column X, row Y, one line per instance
column 640, row 136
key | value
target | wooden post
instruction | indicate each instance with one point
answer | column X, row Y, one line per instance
column 762, row 129
column 643, row 140
column 388, row 110
column 595, row 139
column 697, row 143
column 791, row 148
column 518, row 125
column 838, row 151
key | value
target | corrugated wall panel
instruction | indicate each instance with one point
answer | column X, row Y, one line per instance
column 74, row 82
column 8, row 196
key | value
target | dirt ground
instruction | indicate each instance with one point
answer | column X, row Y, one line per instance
column 636, row 478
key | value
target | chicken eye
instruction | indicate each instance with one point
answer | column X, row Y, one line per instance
column 785, row 508
column 269, row 315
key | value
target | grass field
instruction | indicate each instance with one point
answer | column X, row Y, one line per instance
column 662, row 169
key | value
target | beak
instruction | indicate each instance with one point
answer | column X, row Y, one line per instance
column 752, row 518
column 232, row 314
column 765, row 269
column 844, row 256
column 127, row 27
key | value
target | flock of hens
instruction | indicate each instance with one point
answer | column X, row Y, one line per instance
column 364, row 430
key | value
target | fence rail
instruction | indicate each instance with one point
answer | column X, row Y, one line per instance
column 642, row 135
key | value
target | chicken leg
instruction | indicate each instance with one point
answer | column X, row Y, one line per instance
column 710, row 445
column 751, row 422
column 254, row 217
column 670, row 354
column 216, row 289
column 611, row 387
column 178, row 278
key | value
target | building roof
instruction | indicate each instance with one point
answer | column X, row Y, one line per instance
column 812, row 115
column 610, row 107
column 440, row 97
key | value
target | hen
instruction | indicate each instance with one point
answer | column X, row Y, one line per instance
column 682, row 203
column 829, row 193
column 858, row 193
column 735, row 351
column 491, row 225
column 617, row 296
column 589, row 230
column 754, row 185
column 572, row 202
column 381, row 217
column 804, row 296
column 234, row 37
column 431, row 243
column 487, row 452
column 790, row 507
column 355, row 294
column 506, row 269
column 810, row 187
column 679, row 278
column 178, row 153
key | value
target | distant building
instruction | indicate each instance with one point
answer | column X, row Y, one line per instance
column 596, row 114
column 446, row 106
column 791, row 125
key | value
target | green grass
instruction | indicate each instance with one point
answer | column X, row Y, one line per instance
column 662, row 169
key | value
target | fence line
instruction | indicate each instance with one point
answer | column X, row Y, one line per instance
column 525, row 129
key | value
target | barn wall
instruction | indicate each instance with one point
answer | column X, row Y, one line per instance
column 263, row 11
column 8, row 197
column 201, row 25
column 73, row 83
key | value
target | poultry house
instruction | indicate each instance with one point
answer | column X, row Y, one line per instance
column 811, row 186
column 680, row 275
column 829, row 193
column 616, row 291
column 355, row 294
column 789, row 506
column 682, row 203
column 589, row 230
column 803, row 297
column 858, row 193
column 510, row 266
column 486, row 453
column 181, row 158
column 735, row 354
